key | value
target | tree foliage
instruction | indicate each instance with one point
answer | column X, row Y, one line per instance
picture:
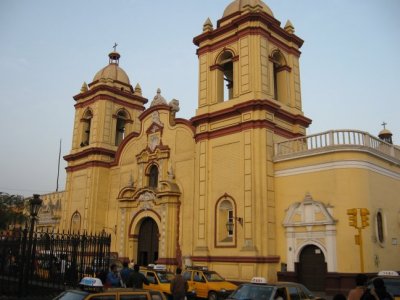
column 12, row 210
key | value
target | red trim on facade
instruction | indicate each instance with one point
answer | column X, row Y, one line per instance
column 121, row 147
column 90, row 164
column 133, row 221
column 235, row 58
column 216, row 67
column 251, row 105
column 284, row 68
column 113, row 90
column 181, row 121
column 271, row 22
column 167, row 261
column 148, row 111
column 238, row 259
column 90, row 151
column 103, row 97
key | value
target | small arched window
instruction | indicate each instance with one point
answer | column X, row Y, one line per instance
column 226, row 226
column 279, row 75
column 86, row 125
column 153, row 177
column 120, row 127
column 76, row 222
column 226, row 78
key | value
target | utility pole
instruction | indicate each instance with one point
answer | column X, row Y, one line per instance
column 359, row 225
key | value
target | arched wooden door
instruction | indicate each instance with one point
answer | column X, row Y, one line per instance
column 148, row 242
column 312, row 268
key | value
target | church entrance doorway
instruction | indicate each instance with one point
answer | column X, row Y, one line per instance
column 312, row 268
column 148, row 242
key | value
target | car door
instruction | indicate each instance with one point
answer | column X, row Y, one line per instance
column 200, row 284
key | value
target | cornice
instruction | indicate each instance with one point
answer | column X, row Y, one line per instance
column 254, row 124
column 251, row 30
column 251, row 105
column 104, row 87
column 342, row 164
column 90, row 151
column 89, row 164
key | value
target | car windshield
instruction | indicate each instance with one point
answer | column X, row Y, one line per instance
column 252, row 292
column 213, row 276
column 392, row 286
column 71, row 295
column 165, row 277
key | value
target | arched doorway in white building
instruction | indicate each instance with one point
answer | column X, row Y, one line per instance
column 310, row 231
column 311, row 268
column 147, row 252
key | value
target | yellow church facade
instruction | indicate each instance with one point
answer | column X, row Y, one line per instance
column 239, row 187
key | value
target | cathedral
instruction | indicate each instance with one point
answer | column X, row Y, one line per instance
column 239, row 187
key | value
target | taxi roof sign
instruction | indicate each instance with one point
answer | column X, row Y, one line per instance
column 258, row 280
column 91, row 281
column 160, row 267
column 388, row 273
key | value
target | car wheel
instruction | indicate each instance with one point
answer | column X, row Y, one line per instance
column 212, row 296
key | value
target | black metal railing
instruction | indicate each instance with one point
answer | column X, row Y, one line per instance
column 55, row 260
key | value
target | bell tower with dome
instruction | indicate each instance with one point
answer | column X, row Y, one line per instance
column 249, row 98
column 106, row 111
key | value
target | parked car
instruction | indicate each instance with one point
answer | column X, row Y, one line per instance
column 92, row 288
column 391, row 280
column 259, row 289
column 207, row 284
column 160, row 280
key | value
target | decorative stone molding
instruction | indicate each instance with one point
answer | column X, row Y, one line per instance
column 310, row 222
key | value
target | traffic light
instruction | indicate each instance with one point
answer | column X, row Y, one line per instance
column 352, row 213
column 364, row 217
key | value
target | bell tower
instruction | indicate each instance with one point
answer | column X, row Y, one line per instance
column 249, row 98
column 248, row 57
column 106, row 111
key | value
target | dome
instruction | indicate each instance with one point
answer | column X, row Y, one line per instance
column 112, row 71
column 241, row 5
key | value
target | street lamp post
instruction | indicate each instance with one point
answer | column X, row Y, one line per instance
column 34, row 205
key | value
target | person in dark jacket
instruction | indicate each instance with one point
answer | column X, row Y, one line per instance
column 178, row 286
column 136, row 279
column 125, row 272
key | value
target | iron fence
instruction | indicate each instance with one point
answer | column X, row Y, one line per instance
column 50, row 260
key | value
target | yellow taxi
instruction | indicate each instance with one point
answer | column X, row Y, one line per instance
column 159, row 278
column 207, row 284
column 92, row 289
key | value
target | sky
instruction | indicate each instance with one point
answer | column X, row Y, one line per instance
column 349, row 67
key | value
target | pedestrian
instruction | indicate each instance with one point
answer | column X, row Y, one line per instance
column 178, row 286
column 125, row 273
column 136, row 279
column 380, row 290
column 113, row 277
column 358, row 291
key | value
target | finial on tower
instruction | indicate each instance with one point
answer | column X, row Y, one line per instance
column 289, row 28
column 114, row 56
column 384, row 125
column 208, row 26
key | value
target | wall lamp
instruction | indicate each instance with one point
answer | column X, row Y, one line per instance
column 230, row 224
